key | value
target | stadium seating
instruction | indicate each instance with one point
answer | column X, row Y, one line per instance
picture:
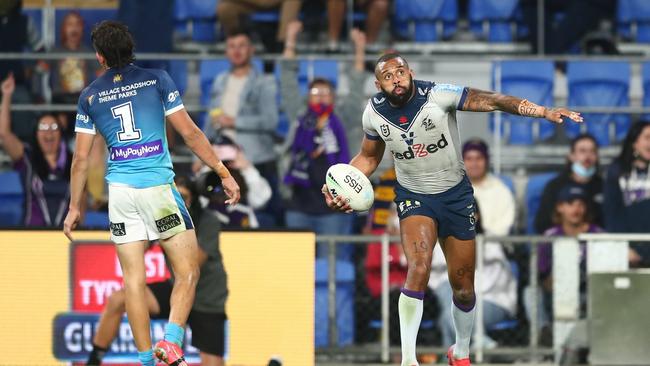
column 310, row 69
column 634, row 20
column 532, row 80
column 96, row 220
column 178, row 73
column 344, row 303
column 11, row 199
column 196, row 18
column 534, row 190
column 493, row 19
column 599, row 84
column 645, row 77
column 208, row 71
column 432, row 19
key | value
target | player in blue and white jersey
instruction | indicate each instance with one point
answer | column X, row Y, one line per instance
column 128, row 106
column 416, row 121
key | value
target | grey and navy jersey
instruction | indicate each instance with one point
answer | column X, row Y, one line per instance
column 422, row 136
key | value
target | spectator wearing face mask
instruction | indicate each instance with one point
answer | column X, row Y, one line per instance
column 318, row 138
column 582, row 169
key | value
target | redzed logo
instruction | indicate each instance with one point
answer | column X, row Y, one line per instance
column 421, row 150
column 403, row 120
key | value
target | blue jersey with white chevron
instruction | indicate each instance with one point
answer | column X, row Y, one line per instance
column 128, row 107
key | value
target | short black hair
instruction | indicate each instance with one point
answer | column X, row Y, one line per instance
column 113, row 41
column 389, row 56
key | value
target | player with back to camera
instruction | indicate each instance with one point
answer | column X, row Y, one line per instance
column 416, row 119
column 128, row 105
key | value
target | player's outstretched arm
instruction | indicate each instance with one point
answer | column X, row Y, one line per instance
column 367, row 160
column 487, row 101
column 78, row 177
column 199, row 144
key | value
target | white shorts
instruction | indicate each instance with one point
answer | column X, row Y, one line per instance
column 146, row 213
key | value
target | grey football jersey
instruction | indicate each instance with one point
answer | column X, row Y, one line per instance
column 422, row 136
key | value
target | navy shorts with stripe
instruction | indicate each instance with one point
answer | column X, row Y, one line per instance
column 453, row 210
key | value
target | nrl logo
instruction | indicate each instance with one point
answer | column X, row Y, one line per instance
column 385, row 130
column 428, row 124
column 379, row 100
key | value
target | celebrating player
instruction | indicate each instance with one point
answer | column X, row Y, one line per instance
column 417, row 121
column 128, row 106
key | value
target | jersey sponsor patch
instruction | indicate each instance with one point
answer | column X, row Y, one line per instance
column 420, row 150
column 168, row 222
column 408, row 205
column 448, row 87
column 118, row 229
column 136, row 151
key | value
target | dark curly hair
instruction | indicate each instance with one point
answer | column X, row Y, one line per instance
column 627, row 156
column 113, row 41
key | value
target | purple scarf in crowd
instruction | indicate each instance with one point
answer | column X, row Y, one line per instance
column 332, row 138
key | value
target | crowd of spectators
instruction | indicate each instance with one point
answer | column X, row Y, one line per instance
column 280, row 179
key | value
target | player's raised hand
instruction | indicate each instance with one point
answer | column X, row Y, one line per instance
column 71, row 220
column 337, row 203
column 232, row 190
column 557, row 115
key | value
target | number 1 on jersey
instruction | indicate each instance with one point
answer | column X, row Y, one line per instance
column 125, row 113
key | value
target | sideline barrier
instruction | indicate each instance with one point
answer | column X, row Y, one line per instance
column 41, row 284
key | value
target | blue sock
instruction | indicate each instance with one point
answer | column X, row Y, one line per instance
column 146, row 358
column 174, row 333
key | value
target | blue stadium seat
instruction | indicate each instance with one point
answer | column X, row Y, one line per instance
column 196, row 19
column 36, row 15
column 270, row 16
column 204, row 30
column 599, row 84
column 499, row 15
column 430, row 17
column 311, row 69
column 90, row 16
column 96, row 220
column 178, row 73
column 196, row 9
column 12, row 199
column 532, row 80
column 645, row 77
column 534, row 190
column 634, row 15
column 344, row 303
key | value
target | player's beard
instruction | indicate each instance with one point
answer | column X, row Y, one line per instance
column 398, row 100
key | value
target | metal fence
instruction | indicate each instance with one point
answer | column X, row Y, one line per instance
column 517, row 341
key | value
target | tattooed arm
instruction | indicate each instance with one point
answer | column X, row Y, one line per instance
column 487, row 101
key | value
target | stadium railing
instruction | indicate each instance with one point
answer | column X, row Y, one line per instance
column 604, row 253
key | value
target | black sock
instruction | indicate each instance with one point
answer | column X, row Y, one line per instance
column 96, row 355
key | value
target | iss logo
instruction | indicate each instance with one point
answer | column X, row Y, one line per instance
column 385, row 130
column 428, row 124
column 408, row 205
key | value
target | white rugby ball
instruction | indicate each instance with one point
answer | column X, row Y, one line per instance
column 352, row 184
